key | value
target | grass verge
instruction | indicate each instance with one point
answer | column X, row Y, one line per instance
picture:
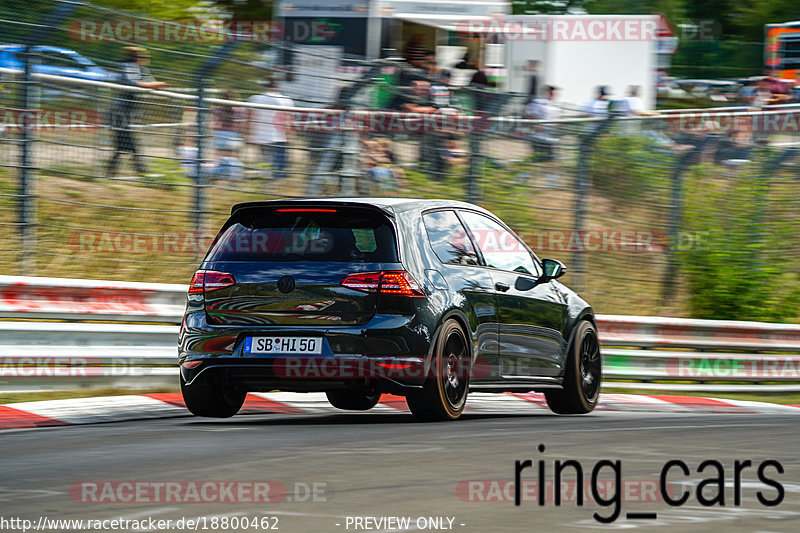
column 16, row 397
column 785, row 398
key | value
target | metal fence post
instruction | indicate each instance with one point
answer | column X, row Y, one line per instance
column 27, row 196
column 203, row 72
column 349, row 173
column 199, row 175
column 676, row 216
column 583, row 181
column 27, row 206
column 761, row 187
column 473, row 175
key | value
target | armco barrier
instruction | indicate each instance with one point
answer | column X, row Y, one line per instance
column 136, row 346
column 80, row 299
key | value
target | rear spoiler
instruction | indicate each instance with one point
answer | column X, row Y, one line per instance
column 385, row 209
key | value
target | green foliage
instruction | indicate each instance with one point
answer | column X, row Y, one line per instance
column 739, row 267
column 247, row 9
column 752, row 15
column 672, row 9
column 720, row 11
column 630, row 168
column 717, row 59
column 164, row 9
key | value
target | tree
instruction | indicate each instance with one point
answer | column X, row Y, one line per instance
column 248, row 9
column 752, row 15
column 672, row 9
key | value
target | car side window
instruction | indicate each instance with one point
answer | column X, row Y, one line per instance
column 449, row 238
column 501, row 249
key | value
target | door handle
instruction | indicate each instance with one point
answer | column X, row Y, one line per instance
column 502, row 287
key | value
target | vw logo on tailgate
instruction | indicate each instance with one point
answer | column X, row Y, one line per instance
column 286, row 284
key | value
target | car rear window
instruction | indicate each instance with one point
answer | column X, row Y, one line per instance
column 335, row 234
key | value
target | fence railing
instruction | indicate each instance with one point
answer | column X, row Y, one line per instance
column 137, row 346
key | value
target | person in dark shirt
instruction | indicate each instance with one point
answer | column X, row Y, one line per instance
column 484, row 99
column 123, row 110
column 417, row 100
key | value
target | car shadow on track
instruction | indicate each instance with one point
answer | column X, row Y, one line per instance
column 322, row 419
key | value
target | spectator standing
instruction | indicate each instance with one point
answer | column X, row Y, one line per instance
column 763, row 95
column 134, row 72
column 780, row 92
column 544, row 136
column 598, row 106
column 415, row 100
column 633, row 105
column 268, row 128
column 748, row 92
column 484, row 99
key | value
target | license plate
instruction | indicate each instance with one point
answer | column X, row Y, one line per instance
column 283, row 345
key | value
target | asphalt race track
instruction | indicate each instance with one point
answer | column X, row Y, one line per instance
column 345, row 467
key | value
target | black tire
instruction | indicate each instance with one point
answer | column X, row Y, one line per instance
column 353, row 400
column 582, row 376
column 444, row 393
column 213, row 401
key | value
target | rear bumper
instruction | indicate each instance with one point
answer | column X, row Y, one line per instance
column 310, row 373
column 389, row 354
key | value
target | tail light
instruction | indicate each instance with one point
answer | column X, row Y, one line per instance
column 398, row 282
column 210, row 280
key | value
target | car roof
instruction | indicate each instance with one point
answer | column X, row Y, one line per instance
column 391, row 204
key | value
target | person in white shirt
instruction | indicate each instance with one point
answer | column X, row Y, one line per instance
column 545, row 108
column 268, row 128
column 633, row 105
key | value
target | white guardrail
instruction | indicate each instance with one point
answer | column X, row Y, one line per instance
column 70, row 333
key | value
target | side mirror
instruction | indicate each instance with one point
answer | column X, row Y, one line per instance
column 553, row 268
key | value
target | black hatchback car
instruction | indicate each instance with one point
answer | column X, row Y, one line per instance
column 428, row 299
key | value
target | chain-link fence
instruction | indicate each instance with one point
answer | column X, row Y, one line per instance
column 106, row 174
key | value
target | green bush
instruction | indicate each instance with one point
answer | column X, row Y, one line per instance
column 740, row 265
